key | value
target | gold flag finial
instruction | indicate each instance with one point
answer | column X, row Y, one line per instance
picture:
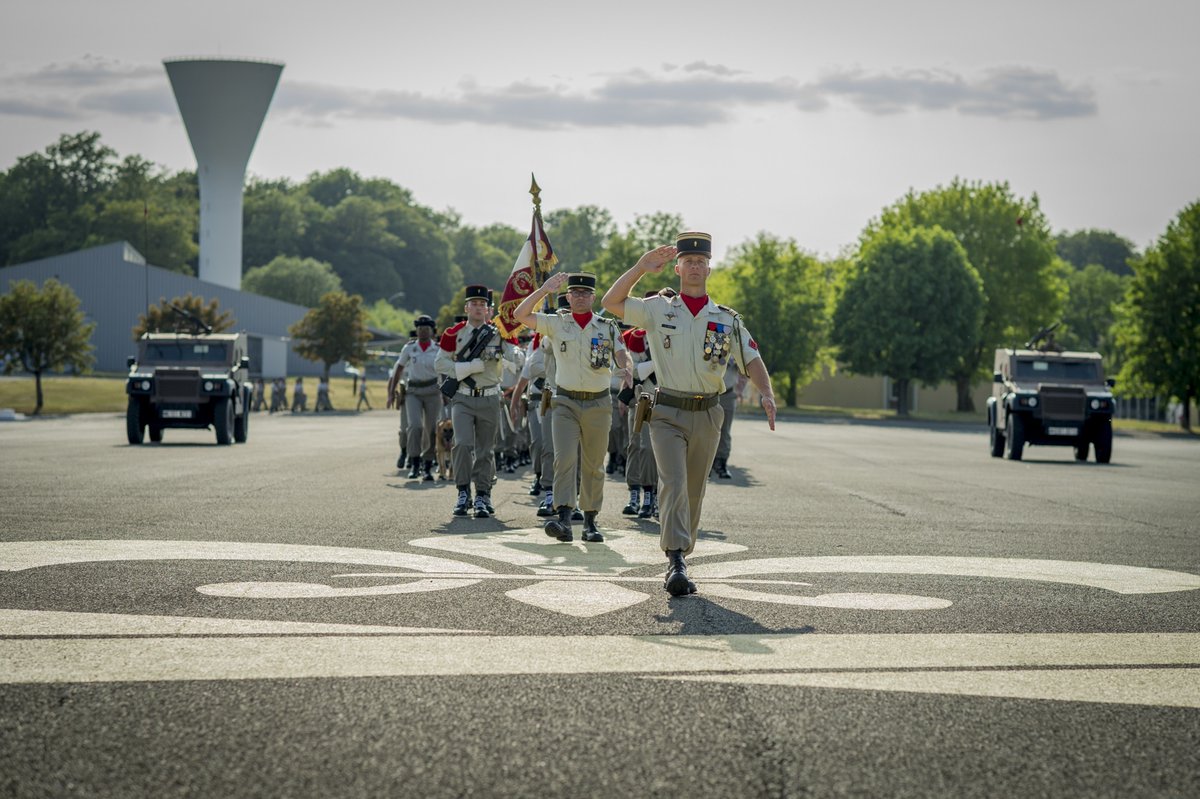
column 536, row 191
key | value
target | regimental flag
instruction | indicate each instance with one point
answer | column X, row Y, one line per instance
column 531, row 269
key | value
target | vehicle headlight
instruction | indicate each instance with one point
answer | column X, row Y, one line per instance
column 1031, row 402
column 1095, row 404
column 208, row 385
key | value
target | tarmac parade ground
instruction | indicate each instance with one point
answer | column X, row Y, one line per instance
column 883, row 610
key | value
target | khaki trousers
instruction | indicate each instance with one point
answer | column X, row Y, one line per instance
column 640, row 469
column 684, row 443
column 580, row 431
column 728, row 403
column 421, row 408
column 535, row 437
column 475, row 423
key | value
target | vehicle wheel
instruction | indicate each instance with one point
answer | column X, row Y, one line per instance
column 1081, row 450
column 996, row 438
column 223, row 420
column 1015, row 437
column 241, row 426
column 156, row 434
column 135, row 427
column 1103, row 443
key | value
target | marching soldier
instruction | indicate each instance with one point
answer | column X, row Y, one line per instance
column 469, row 356
column 734, row 383
column 691, row 341
column 299, row 398
column 641, row 473
column 420, row 402
column 585, row 351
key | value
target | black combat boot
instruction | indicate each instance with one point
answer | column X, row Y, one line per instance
column 611, row 466
column 722, row 469
column 464, row 499
column 577, row 515
column 547, row 506
column 649, row 500
column 677, row 583
column 560, row 527
column 428, row 471
column 591, row 533
column 414, row 469
column 403, row 459
column 537, row 486
column 635, row 499
column 481, row 507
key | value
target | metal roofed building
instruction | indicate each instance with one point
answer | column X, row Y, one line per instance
column 115, row 285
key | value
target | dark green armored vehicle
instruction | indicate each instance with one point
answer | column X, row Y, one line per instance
column 1047, row 397
column 189, row 380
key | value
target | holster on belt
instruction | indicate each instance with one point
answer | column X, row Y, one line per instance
column 641, row 412
column 545, row 401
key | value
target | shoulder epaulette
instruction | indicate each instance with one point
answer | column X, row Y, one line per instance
column 729, row 311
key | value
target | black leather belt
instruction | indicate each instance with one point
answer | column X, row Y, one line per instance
column 422, row 383
column 698, row 402
column 581, row 396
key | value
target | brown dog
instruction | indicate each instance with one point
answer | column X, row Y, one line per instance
column 444, row 433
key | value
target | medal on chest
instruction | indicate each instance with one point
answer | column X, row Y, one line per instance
column 716, row 343
column 601, row 353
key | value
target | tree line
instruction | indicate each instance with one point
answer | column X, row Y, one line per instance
column 934, row 283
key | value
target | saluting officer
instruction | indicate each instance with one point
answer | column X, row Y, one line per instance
column 585, row 350
column 691, row 340
column 475, row 406
column 422, row 402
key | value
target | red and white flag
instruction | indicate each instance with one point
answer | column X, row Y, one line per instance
column 533, row 265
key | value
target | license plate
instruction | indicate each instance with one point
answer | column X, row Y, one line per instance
column 176, row 414
column 1063, row 431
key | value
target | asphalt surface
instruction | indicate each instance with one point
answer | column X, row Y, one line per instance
column 883, row 610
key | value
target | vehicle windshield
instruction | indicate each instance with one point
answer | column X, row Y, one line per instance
column 1057, row 370
column 185, row 352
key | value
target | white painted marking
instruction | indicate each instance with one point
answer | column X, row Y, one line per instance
column 48, row 623
column 583, row 601
column 20, row 555
column 621, row 551
column 258, row 657
column 281, row 590
column 1121, row 579
column 841, row 601
column 1162, row 687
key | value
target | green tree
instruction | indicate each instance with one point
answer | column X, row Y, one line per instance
column 162, row 318
column 1008, row 241
column 479, row 260
column 43, row 330
column 382, row 315
column 1103, row 247
column 578, row 235
column 300, row 280
column 784, row 295
column 911, row 305
column 656, row 229
column 275, row 220
column 1094, row 293
column 1158, row 333
column 164, row 233
column 336, row 330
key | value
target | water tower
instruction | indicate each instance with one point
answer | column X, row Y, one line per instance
column 223, row 104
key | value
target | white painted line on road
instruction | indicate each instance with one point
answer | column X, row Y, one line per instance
column 60, row 623
column 1110, row 577
column 1162, row 687
column 562, row 597
column 21, row 555
column 257, row 657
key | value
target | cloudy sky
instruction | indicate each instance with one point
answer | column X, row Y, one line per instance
column 799, row 118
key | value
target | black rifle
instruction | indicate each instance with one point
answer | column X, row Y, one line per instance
column 469, row 352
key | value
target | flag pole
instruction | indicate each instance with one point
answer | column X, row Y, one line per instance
column 539, row 265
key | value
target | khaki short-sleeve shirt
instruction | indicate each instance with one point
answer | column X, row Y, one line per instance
column 691, row 354
column 419, row 363
column 583, row 356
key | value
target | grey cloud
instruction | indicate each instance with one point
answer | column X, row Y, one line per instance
column 151, row 101
column 1009, row 92
column 716, row 69
column 36, row 109
column 89, row 71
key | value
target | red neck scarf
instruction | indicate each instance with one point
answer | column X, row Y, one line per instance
column 582, row 319
column 424, row 345
column 694, row 304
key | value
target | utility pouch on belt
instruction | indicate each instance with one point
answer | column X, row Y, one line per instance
column 545, row 401
column 625, row 395
column 645, row 404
